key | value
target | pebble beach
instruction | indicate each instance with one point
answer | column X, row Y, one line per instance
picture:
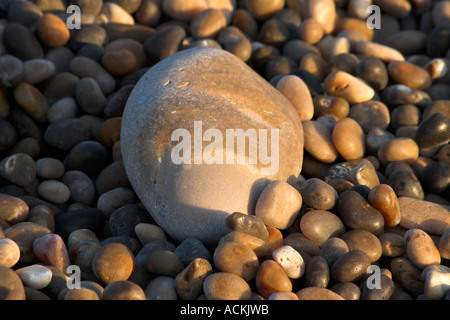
column 93, row 205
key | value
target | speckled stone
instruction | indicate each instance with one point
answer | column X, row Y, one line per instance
column 421, row 249
column 181, row 83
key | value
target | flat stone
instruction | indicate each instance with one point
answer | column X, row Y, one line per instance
column 183, row 78
column 428, row 216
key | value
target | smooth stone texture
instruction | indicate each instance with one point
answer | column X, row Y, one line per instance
column 259, row 246
column 278, row 205
column 248, row 224
column 345, row 85
column 52, row 30
column 38, row 70
column 398, row 149
column 12, row 209
column 192, row 248
column 421, row 249
column 318, row 194
column 364, row 241
column 163, row 262
column 347, row 290
column 12, row 74
column 436, row 281
column 364, row 174
column 11, row 286
column 317, row 273
column 49, row 168
column 297, row 92
column 123, row 290
column 271, row 278
column 428, row 216
column 319, row 142
column 444, row 245
column 348, row 138
column 357, row 213
column 21, row 42
column 65, row 134
column 113, row 262
column 9, row 252
column 202, row 203
column 290, row 260
column 32, row 101
column 384, row 292
column 24, row 234
column 35, row 276
column 314, row 293
column 147, row 232
column 189, row 282
column 333, row 249
column 432, row 133
column 351, row 267
column 383, row 198
column 82, row 188
column 320, row 225
column 409, row 74
column 226, row 286
column 67, row 222
column 370, row 114
column 236, row 258
column 54, row 191
column 393, row 245
column 406, row 184
column 407, row 275
column 52, row 250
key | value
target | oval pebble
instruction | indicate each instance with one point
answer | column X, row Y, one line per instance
column 9, row 252
column 315, row 293
column 226, row 286
column 52, row 250
column 236, row 258
column 319, row 142
column 113, row 262
column 297, row 92
column 364, row 241
column 421, row 249
column 383, row 198
column 290, row 260
column 35, row 276
column 345, row 85
column 161, row 288
column 12, row 209
column 123, row 290
column 54, row 191
column 272, row 278
column 318, row 194
column 320, row 225
column 348, row 138
column 351, row 267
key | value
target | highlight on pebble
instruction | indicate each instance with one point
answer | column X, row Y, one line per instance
column 236, row 146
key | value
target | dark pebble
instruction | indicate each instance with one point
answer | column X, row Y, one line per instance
column 8, row 136
column 436, row 177
column 339, row 171
column 133, row 244
column 67, row 222
column 111, row 177
column 91, row 157
column 406, row 184
column 152, row 246
column 24, row 12
column 12, row 71
column 61, row 86
column 116, row 105
column 82, row 188
column 346, row 62
column 65, row 134
column 192, row 248
column 317, row 272
column 273, row 32
column 351, row 267
column 89, row 96
column 317, row 194
column 248, row 224
column 405, row 115
column 92, row 51
column 432, row 133
column 278, row 65
column 61, row 57
column 384, row 292
column 347, row 290
column 123, row 221
column 397, row 94
column 90, row 33
column 370, row 114
column 438, row 41
column 164, row 43
column 357, row 213
column 19, row 169
column 21, row 42
column 296, row 49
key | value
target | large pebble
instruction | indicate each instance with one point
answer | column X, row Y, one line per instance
column 320, row 225
column 175, row 85
column 123, row 290
column 113, row 262
column 35, row 276
column 226, row 286
column 421, row 249
column 13, row 209
column 163, row 262
column 9, row 252
column 272, row 278
column 164, row 43
column 428, row 216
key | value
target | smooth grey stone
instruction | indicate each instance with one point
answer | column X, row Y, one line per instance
column 217, row 88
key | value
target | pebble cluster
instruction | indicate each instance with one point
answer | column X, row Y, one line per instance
column 375, row 183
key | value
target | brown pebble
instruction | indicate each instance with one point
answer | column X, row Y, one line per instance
column 409, row 74
column 226, row 286
column 324, row 12
column 52, row 30
column 81, row 294
column 364, row 241
column 383, row 198
column 163, row 262
column 345, row 85
column 32, row 101
column 318, row 194
column 208, row 24
column 393, row 245
column 377, row 50
column 331, row 106
column 9, row 252
column 432, row 218
column 11, row 286
column 314, row 293
column 189, row 282
column 319, row 142
column 315, row 65
column 348, row 138
column 259, row 246
column 351, row 267
column 110, row 131
column 297, row 92
column 333, row 249
column 320, row 225
column 407, row 275
column 364, row 174
column 311, row 31
column 113, row 262
column 278, row 205
column 399, row 149
column 421, row 249
column 123, row 290
column 52, row 250
column 444, row 245
column 119, row 62
column 302, row 244
column 263, row 10
column 12, row 209
column 236, row 258
column 274, row 240
column 271, row 278
column 249, row 224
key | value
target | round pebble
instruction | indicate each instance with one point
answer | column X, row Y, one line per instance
column 281, row 213
column 81, row 294
column 320, row 225
column 52, row 30
column 421, row 249
column 272, row 278
column 259, row 246
column 113, row 262
column 393, row 245
column 123, row 290
column 364, row 241
column 54, row 191
column 351, row 267
column 9, row 252
column 236, row 258
column 49, row 168
column 318, row 194
column 290, row 260
column 189, row 282
column 163, row 262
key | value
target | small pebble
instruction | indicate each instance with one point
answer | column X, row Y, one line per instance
column 49, row 168
column 32, row 101
column 319, row 142
column 271, row 278
column 296, row 91
column 147, row 232
column 35, row 276
column 409, row 74
column 285, row 295
column 259, row 246
column 263, row 11
column 82, row 188
column 436, row 281
column 420, row 248
column 122, row 222
column 444, row 245
column 317, row 273
column 161, row 288
column 52, row 30
column 64, row 134
column 9, row 252
column 192, row 248
column 320, row 225
column 433, row 133
column 163, row 262
column 383, row 198
column 370, row 114
column 348, row 138
column 407, row 275
column 333, row 249
column 248, row 224
column 393, row 245
column 318, row 194
column 364, row 241
column 347, row 290
column 364, row 174
column 302, row 244
column 113, row 262
column 344, row 85
column 81, row 294
column 350, row 267
column 315, row 293
column 123, row 290
column 12, row 209
column 290, row 260
column 189, row 282
column 398, row 149
column 54, row 191
column 406, row 184
column 38, row 70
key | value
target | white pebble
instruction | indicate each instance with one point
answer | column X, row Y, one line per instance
column 35, row 276
column 290, row 260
